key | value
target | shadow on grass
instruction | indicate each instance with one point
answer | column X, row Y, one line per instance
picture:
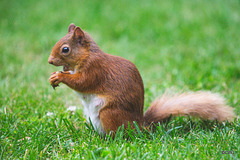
column 176, row 127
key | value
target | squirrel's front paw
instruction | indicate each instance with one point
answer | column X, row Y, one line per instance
column 55, row 79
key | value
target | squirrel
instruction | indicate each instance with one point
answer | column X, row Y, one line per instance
column 112, row 92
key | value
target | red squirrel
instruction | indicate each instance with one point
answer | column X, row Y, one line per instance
column 111, row 88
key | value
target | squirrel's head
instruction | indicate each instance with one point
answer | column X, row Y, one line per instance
column 68, row 50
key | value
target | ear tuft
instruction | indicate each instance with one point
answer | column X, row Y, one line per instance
column 78, row 33
column 71, row 27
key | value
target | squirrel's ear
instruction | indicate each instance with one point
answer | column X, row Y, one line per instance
column 78, row 33
column 71, row 27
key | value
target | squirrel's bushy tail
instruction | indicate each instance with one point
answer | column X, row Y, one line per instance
column 205, row 105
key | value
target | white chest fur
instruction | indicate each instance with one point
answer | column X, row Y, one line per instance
column 92, row 104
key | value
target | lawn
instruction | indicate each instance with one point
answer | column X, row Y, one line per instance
column 185, row 45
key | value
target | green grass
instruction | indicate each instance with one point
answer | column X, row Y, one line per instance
column 183, row 45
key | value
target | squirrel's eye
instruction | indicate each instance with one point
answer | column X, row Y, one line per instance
column 65, row 49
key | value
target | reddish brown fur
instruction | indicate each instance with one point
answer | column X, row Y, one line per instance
column 114, row 78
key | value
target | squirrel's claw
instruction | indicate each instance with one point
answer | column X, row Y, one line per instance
column 54, row 86
column 54, row 79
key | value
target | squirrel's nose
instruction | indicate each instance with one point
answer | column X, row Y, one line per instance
column 50, row 60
